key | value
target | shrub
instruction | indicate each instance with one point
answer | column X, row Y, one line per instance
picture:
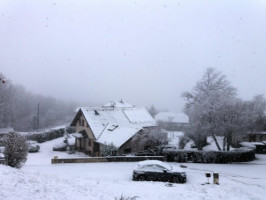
column 60, row 147
column 182, row 142
column 46, row 136
column 109, row 150
column 16, row 150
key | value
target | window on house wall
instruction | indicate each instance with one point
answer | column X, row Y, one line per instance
column 89, row 142
column 82, row 122
column 127, row 150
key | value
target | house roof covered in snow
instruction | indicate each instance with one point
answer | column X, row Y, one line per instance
column 172, row 117
column 6, row 130
column 115, row 124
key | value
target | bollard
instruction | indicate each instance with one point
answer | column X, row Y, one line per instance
column 216, row 178
column 208, row 175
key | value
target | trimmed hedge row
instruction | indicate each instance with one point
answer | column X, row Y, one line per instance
column 209, row 156
column 46, row 136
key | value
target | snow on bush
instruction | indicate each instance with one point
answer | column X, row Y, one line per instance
column 67, row 144
column 16, row 150
column 109, row 150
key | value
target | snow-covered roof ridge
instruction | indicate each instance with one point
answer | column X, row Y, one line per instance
column 172, row 117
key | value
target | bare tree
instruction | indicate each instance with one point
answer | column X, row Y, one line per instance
column 16, row 150
column 203, row 102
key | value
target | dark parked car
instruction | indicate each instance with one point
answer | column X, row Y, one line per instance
column 33, row 146
column 154, row 170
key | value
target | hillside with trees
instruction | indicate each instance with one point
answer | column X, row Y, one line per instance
column 19, row 108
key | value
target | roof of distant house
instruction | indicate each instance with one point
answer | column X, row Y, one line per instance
column 115, row 124
column 6, row 130
column 172, row 117
column 117, row 104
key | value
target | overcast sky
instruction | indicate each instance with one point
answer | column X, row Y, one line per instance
column 142, row 51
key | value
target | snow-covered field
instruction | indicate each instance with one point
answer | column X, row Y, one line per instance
column 38, row 179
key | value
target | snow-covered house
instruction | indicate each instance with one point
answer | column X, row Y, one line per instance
column 172, row 121
column 114, row 123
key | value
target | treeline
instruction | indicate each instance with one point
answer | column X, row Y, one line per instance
column 19, row 108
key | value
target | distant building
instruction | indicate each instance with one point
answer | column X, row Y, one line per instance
column 115, row 123
column 256, row 137
column 172, row 121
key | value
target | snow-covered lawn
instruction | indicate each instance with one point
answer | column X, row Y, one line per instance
column 38, row 179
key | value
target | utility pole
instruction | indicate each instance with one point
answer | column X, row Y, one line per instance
column 38, row 116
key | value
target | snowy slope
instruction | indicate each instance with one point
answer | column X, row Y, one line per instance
column 38, row 179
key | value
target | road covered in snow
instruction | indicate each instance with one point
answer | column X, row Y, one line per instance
column 38, row 179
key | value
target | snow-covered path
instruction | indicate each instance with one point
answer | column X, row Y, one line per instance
column 38, row 179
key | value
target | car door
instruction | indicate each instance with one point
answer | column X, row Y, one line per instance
column 160, row 173
column 150, row 173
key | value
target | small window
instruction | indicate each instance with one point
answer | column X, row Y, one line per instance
column 82, row 122
column 128, row 150
column 89, row 142
column 113, row 127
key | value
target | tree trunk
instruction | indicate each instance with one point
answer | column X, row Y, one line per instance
column 224, row 142
column 216, row 142
column 229, row 140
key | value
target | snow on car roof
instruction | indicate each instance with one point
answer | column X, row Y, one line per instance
column 154, row 162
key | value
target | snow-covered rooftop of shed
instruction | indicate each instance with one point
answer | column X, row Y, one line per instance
column 6, row 130
column 172, row 117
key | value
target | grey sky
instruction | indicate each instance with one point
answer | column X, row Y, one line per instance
column 145, row 52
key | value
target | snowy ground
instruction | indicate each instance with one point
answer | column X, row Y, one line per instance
column 38, row 179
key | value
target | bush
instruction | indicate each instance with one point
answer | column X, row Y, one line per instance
column 239, row 155
column 46, row 136
column 109, row 150
column 182, row 142
column 16, row 150
column 60, row 147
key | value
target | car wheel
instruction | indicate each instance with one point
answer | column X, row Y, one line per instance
column 175, row 179
column 141, row 178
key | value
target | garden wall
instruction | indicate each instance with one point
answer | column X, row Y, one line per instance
column 106, row 159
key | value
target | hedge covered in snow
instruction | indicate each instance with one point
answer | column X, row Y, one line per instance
column 46, row 136
column 240, row 155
